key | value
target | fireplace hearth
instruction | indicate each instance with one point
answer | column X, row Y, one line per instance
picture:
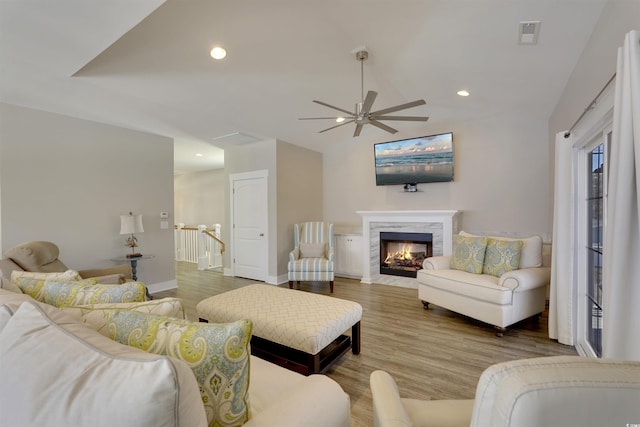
column 402, row 254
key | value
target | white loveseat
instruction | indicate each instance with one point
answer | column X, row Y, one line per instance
column 546, row 391
column 497, row 300
column 57, row 371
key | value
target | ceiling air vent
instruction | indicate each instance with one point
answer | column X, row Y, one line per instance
column 528, row 32
column 235, row 138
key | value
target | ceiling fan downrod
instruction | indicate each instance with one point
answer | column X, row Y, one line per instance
column 361, row 55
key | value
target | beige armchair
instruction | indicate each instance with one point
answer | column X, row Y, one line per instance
column 546, row 391
column 40, row 256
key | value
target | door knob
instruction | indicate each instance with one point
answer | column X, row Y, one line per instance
column 261, row 234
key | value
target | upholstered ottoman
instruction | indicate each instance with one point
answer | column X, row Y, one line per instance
column 298, row 330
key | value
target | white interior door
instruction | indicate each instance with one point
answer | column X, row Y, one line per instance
column 249, row 213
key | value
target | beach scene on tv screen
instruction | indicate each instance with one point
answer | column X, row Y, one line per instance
column 424, row 159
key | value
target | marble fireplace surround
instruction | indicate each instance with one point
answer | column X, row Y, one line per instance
column 442, row 224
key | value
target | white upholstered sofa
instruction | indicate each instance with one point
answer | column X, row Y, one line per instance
column 57, row 371
column 546, row 391
column 499, row 300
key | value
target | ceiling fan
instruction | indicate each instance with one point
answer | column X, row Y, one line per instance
column 363, row 114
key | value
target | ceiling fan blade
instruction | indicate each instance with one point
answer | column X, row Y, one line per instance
column 402, row 118
column 358, row 130
column 323, row 118
column 368, row 101
column 382, row 126
column 399, row 107
column 335, row 108
column 337, row 126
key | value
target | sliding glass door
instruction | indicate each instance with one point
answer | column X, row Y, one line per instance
column 592, row 180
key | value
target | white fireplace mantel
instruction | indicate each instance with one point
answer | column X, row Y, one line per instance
column 441, row 223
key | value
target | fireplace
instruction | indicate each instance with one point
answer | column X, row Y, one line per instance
column 402, row 254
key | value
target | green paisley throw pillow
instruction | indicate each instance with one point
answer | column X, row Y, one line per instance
column 62, row 294
column 218, row 354
column 468, row 253
column 502, row 256
column 34, row 286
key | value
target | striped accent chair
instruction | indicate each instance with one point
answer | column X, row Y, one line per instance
column 312, row 257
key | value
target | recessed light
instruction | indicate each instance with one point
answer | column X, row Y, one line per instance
column 463, row 93
column 199, row 155
column 218, row 52
column 340, row 119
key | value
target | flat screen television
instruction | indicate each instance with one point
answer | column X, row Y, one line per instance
column 415, row 160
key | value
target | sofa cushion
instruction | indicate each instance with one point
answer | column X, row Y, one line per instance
column 33, row 283
column 96, row 316
column 531, row 255
column 218, row 354
column 468, row 253
column 501, row 256
column 103, row 384
column 61, row 293
column 483, row 287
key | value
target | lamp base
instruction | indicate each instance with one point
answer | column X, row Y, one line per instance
column 134, row 255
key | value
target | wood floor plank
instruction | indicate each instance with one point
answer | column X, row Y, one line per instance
column 432, row 354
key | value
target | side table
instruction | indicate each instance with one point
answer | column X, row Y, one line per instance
column 134, row 267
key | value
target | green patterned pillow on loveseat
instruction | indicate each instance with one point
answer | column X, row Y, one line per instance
column 468, row 253
column 502, row 256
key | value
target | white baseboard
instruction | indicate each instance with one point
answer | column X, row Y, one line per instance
column 277, row 280
column 162, row 286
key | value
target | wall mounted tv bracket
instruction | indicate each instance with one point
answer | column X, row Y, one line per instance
column 410, row 187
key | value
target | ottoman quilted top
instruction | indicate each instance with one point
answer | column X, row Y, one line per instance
column 301, row 320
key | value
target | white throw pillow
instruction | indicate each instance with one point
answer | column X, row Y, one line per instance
column 96, row 316
column 56, row 372
column 312, row 250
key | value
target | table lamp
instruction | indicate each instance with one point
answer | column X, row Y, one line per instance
column 130, row 224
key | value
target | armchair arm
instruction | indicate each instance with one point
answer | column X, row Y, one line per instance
column 442, row 262
column 330, row 254
column 316, row 402
column 99, row 273
column 294, row 254
column 526, row 278
column 388, row 410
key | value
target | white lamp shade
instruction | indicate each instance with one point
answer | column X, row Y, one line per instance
column 130, row 224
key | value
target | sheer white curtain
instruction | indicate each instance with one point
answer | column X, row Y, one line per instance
column 562, row 295
column 621, row 264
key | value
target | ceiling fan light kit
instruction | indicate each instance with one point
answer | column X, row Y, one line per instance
column 362, row 114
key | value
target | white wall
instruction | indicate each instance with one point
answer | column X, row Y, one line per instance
column 199, row 198
column 248, row 158
column 596, row 65
column 501, row 177
column 300, row 195
column 68, row 181
column 294, row 183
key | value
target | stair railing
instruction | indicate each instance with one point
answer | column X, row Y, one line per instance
column 201, row 245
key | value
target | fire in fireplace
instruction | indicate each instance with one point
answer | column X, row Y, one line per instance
column 402, row 254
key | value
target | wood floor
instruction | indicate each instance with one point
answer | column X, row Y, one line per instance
column 432, row 354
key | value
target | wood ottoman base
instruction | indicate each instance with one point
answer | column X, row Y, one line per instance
column 298, row 330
